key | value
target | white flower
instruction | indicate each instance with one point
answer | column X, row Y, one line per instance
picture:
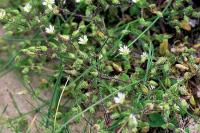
column 83, row 40
column 152, row 87
column 2, row 13
column 48, row 3
column 77, row 1
column 135, row 1
column 120, row 98
column 27, row 7
column 50, row 29
column 124, row 50
column 144, row 57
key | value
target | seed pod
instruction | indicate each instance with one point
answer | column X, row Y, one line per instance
column 161, row 60
column 183, row 90
column 72, row 72
column 145, row 127
column 184, row 104
column 134, row 130
column 125, row 32
column 64, row 38
column 150, row 106
column 71, row 55
column 170, row 125
column 100, row 34
column 197, row 60
column 178, row 130
column 196, row 111
column 94, row 73
column 56, row 10
column 187, row 76
column 166, row 106
column 115, row 1
column 192, row 101
column 167, row 82
column 164, row 48
column 153, row 72
column 117, row 67
column 30, row 53
column 145, row 90
column 25, row 70
column 132, row 122
column 153, row 83
column 43, row 48
column 109, row 68
column 83, row 55
column 75, row 33
column 78, row 63
column 176, row 108
column 83, row 85
column 166, row 68
column 159, row 107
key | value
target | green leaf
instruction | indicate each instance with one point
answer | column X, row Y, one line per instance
column 156, row 120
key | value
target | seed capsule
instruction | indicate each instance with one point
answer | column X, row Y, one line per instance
column 117, row 67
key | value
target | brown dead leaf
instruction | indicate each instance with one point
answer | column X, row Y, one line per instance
column 181, row 67
column 185, row 25
column 164, row 47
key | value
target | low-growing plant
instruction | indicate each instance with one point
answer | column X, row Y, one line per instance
column 119, row 65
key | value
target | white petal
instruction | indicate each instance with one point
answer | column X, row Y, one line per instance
column 117, row 100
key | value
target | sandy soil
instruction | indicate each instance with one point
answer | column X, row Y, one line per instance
column 10, row 86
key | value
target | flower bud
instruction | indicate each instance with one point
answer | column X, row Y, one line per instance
column 117, row 67
column 152, row 83
column 150, row 106
column 161, row 60
column 71, row 55
column 145, row 90
column 167, row 82
column 72, row 72
column 132, row 121
column 184, row 104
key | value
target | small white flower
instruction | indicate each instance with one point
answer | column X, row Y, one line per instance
column 77, row 1
column 2, row 13
column 48, row 3
column 120, row 98
column 124, row 50
column 135, row 1
column 152, row 87
column 27, row 7
column 50, row 29
column 83, row 40
column 144, row 57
